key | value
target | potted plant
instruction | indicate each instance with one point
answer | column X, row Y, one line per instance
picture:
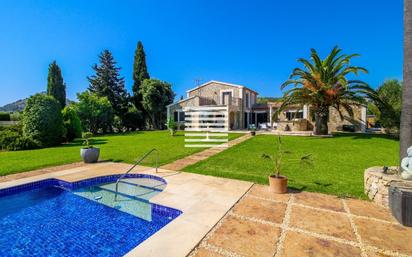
column 89, row 153
column 252, row 129
column 172, row 126
column 277, row 182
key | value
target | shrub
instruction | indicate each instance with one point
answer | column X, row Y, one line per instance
column 71, row 123
column 42, row 120
column 12, row 139
column 95, row 113
column 15, row 116
column 133, row 119
column 4, row 116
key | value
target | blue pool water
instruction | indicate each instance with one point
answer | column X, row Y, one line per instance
column 51, row 220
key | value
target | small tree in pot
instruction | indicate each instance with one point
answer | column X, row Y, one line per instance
column 172, row 126
column 277, row 182
column 89, row 153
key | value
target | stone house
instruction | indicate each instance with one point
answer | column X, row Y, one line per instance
column 243, row 110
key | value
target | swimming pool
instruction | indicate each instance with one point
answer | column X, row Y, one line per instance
column 57, row 218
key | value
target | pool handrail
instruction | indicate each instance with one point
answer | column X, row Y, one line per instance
column 137, row 163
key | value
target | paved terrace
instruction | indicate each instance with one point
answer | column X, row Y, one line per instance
column 305, row 224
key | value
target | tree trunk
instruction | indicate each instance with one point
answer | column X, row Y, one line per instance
column 321, row 121
column 406, row 116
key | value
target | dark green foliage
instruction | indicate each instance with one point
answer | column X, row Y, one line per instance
column 108, row 83
column 12, row 139
column 4, row 116
column 133, row 120
column 55, row 84
column 95, row 113
column 387, row 104
column 42, row 120
column 140, row 73
column 156, row 95
column 72, row 123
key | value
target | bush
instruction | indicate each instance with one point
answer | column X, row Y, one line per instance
column 95, row 113
column 133, row 119
column 15, row 116
column 71, row 123
column 12, row 139
column 4, row 116
column 42, row 120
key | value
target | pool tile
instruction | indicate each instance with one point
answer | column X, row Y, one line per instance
column 385, row 235
column 319, row 201
column 261, row 209
column 322, row 222
column 297, row 244
column 245, row 237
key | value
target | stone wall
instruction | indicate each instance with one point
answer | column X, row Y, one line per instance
column 376, row 184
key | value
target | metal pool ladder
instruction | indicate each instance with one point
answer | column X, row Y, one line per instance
column 137, row 163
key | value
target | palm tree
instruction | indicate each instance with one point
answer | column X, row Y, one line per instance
column 406, row 116
column 323, row 84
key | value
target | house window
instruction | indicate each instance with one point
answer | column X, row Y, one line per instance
column 247, row 100
column 226, row 98
column 291, row 115
column 182, row 116
column 179, row 116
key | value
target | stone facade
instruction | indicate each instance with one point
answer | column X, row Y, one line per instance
column 239, row 100
column 243, row 109
column 376, row 184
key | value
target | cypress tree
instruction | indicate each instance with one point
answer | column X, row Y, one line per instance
column 55, row 84
column 108, row 83
column 139, row 74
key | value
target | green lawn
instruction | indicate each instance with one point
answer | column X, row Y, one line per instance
column 120, row 148
column 339, row 162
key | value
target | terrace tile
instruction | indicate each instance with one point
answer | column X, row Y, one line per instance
column 369, row 209
column 319, row 201
column 246, row 238
column 385, row 235
column 202, row 252
column 323, row 222
column 297, row 244
column 263, row 192
column 261, row 209
column 375, row 254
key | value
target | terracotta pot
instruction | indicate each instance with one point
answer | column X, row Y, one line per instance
column 278, row 185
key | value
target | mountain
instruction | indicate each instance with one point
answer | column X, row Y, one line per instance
column 19, row 105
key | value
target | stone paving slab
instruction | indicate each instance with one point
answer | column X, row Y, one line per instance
column 305, row 224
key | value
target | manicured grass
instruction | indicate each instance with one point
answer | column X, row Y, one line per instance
column 120, row 148
column 338, row 165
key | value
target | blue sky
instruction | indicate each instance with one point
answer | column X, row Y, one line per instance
column 254, row 43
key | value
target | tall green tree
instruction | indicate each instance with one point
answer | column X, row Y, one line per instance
column 323, row 84
column 55, row 84
column 140, row 73
column 406, row 116
column 107, row 82
column 156, row 95
column 95, row 112
column 387, row 104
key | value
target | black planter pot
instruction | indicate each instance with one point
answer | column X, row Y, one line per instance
column 253, row 133
column 400, row 202
column 90, row 155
